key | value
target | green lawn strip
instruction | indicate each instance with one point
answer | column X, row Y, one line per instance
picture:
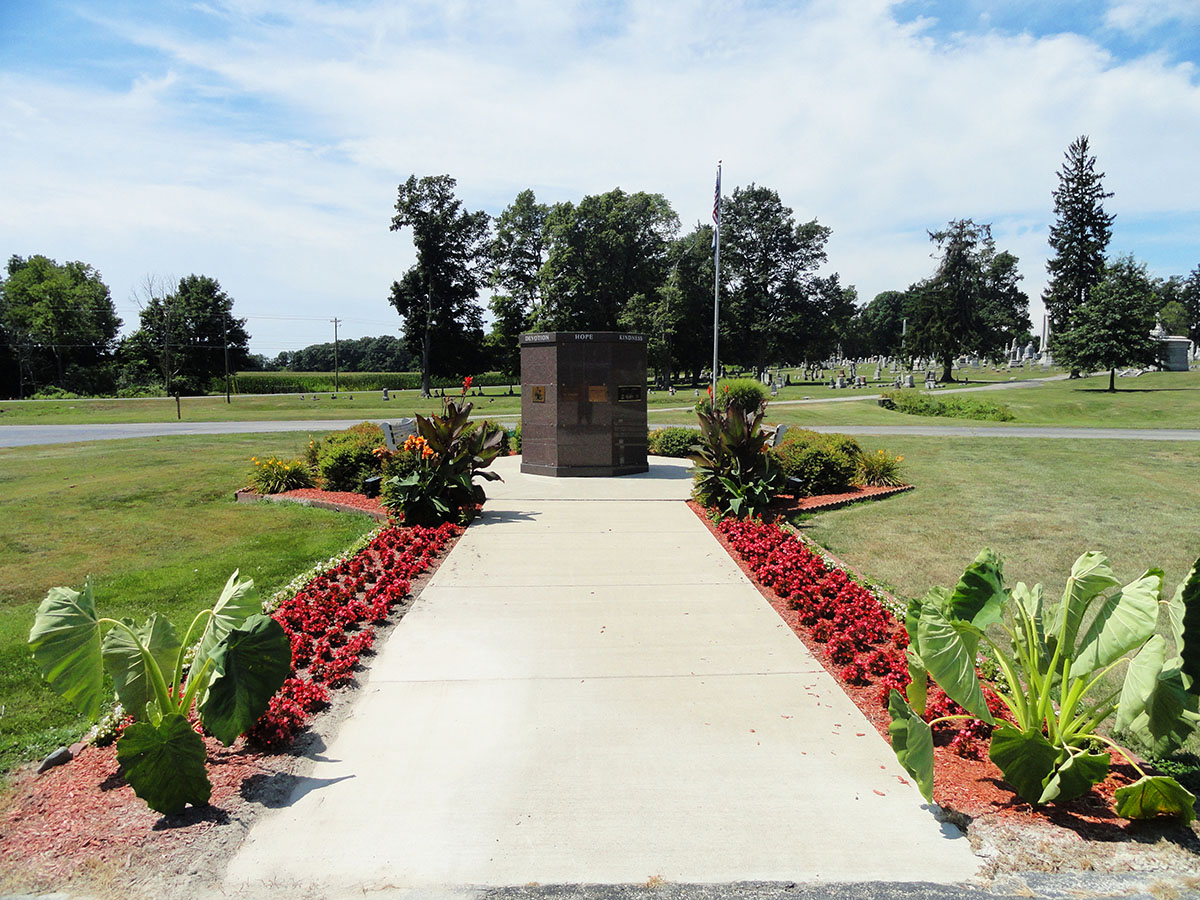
column 1039, row 503
column 154, row 523
column 348, row 405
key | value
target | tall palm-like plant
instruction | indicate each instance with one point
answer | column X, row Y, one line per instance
column 734, row 472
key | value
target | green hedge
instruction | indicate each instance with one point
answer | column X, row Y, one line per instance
column 745, row 394
column 957, row 406
column 323, row 382
column 346, row 459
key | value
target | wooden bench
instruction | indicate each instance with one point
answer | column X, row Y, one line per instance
column 395, row 435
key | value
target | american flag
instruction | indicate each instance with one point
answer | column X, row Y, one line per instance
column 717, row 198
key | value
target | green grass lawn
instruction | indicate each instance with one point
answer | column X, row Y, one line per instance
column 1155, row 400
column 1039, row 503
column 154, row 523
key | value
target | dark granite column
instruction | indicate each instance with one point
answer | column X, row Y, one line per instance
column 583, row 403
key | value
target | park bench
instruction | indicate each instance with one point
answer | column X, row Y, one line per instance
column 395, row 435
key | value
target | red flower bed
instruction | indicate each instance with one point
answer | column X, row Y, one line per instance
column 330, row 623
column 863, row 642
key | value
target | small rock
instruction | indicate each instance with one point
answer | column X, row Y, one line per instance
column 57, row 758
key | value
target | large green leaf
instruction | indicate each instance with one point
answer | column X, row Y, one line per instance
column 1153, row 795
column 1026, row 758
column 912, row 741
column 1031, row 601
column 249, row 666
column 1090, row 576
column 1124, row 621
column 65, row 640
column 917, row 689
column 165, row 764
column 1074, row 776
column 1170, row 714
column 1141, row 681
column 948, row 652
column 912, row 615
column 979, row 596
column 1184, row 611
column 125, row 664
column 237, row 603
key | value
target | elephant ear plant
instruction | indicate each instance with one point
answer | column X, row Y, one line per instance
column 1056, row 664
column 243, row 658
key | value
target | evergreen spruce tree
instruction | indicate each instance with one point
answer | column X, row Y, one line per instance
column 1079, row 236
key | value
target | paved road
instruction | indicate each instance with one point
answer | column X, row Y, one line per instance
column 31, row 435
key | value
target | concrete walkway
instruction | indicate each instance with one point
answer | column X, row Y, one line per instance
column 590, row 691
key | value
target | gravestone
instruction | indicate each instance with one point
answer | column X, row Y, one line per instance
column 908, row 381
column 583, row 403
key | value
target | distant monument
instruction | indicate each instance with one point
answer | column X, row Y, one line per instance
column 1173, row 349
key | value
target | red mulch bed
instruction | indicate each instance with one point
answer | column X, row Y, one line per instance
column 786, row 503
column 970, row 786
column 342, row 501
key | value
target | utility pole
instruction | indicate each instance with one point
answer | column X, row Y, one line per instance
column 225, row 336
column 337, row 384
column 167, row 346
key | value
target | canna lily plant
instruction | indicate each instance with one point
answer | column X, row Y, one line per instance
column 732, row 468
column 243, row 658
column 1056, row 665
column 452, row 451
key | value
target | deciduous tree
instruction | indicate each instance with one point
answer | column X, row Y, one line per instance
column 1113, row 327
column 602, row 252
column 517, row 254
column 59, row 323
column 772, row 309
column 443, row 323
column 185, row 334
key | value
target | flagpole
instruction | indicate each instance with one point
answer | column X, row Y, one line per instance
column 716, row 280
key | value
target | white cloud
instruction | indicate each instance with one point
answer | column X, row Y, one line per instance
column 269, row 158
column 1140, row 16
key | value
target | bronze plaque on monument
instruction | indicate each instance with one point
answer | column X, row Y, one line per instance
column 583, row 403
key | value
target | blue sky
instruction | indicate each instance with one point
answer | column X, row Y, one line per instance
column 262, row 142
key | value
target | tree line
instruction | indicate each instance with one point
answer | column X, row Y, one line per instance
column 618, row 261
column 614, row 261
column 1101, row 310
column 59, row 333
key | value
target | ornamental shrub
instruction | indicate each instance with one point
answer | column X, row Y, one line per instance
column 274, row 476
column 452, row 451
column 745, row 394
column 346, row 459
column 879, row 469
column 818, row 463
column 672, row 441
column 514, row 438
column 733, row 471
